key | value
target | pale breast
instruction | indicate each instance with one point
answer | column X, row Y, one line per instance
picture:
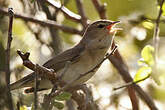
column 86, row 62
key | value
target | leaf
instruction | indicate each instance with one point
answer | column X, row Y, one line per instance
column 163, row 8
column 23, row 107
column 148, row 25
column 142, row 73
column 147, row 55
column 58, row 105
column 63, row 96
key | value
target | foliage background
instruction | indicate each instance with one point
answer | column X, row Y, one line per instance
column 137, row 18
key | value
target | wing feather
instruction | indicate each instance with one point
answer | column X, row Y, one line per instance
column 56, row 63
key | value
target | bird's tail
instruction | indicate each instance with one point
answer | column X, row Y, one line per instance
column 24, row 82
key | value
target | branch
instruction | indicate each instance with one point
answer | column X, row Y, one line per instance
column 82, row 13
column 36, row 87
column 49, row 23
column 9, row 97
column 131, row 83
column 100, row 9
column 156, row 36
column 42, row 71
column 69, row 14
column 56, row 40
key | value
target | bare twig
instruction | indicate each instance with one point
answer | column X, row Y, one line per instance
column 42, row 71
column 98, row 65
column 100, row 8
column 156, row 36
column 49, row 23
column 82, row 13
column 69, row 14
column 131, row 83
column 9, row 97
column 36, row 87
column 56, row 40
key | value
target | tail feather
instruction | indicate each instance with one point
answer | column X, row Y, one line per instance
column 30, row 90
column 27, row 81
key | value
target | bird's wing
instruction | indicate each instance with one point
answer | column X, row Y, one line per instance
column 55, row 63
column 59, row 61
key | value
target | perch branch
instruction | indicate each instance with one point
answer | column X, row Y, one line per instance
column 42, row 71
column 9, row 97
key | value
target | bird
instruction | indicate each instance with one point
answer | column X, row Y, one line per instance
column 81, row 58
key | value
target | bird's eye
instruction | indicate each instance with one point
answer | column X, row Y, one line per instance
column 101, row 26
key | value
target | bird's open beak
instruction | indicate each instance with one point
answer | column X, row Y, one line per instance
column 115, row 22
column 111, row 27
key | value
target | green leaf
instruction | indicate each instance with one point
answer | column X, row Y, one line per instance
column 142, row 74
column 63, row 96
column 163, row 8
column 147, row 55
column 23, row 107
column 58, row 105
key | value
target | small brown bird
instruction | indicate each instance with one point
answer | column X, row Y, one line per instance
column 83, row 57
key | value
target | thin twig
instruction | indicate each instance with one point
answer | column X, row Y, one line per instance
column 98, row 65
column 69, row 14
column 36, row 87
column 49, row 23
column 82, row 13
column 131, row 83
column 156, row 36
column 56, row 39
column 9, row 97
column 100, row 9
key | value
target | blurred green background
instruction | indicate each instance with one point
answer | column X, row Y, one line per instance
column 137, row 21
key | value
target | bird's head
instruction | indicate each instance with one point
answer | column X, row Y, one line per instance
column 101, row 28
